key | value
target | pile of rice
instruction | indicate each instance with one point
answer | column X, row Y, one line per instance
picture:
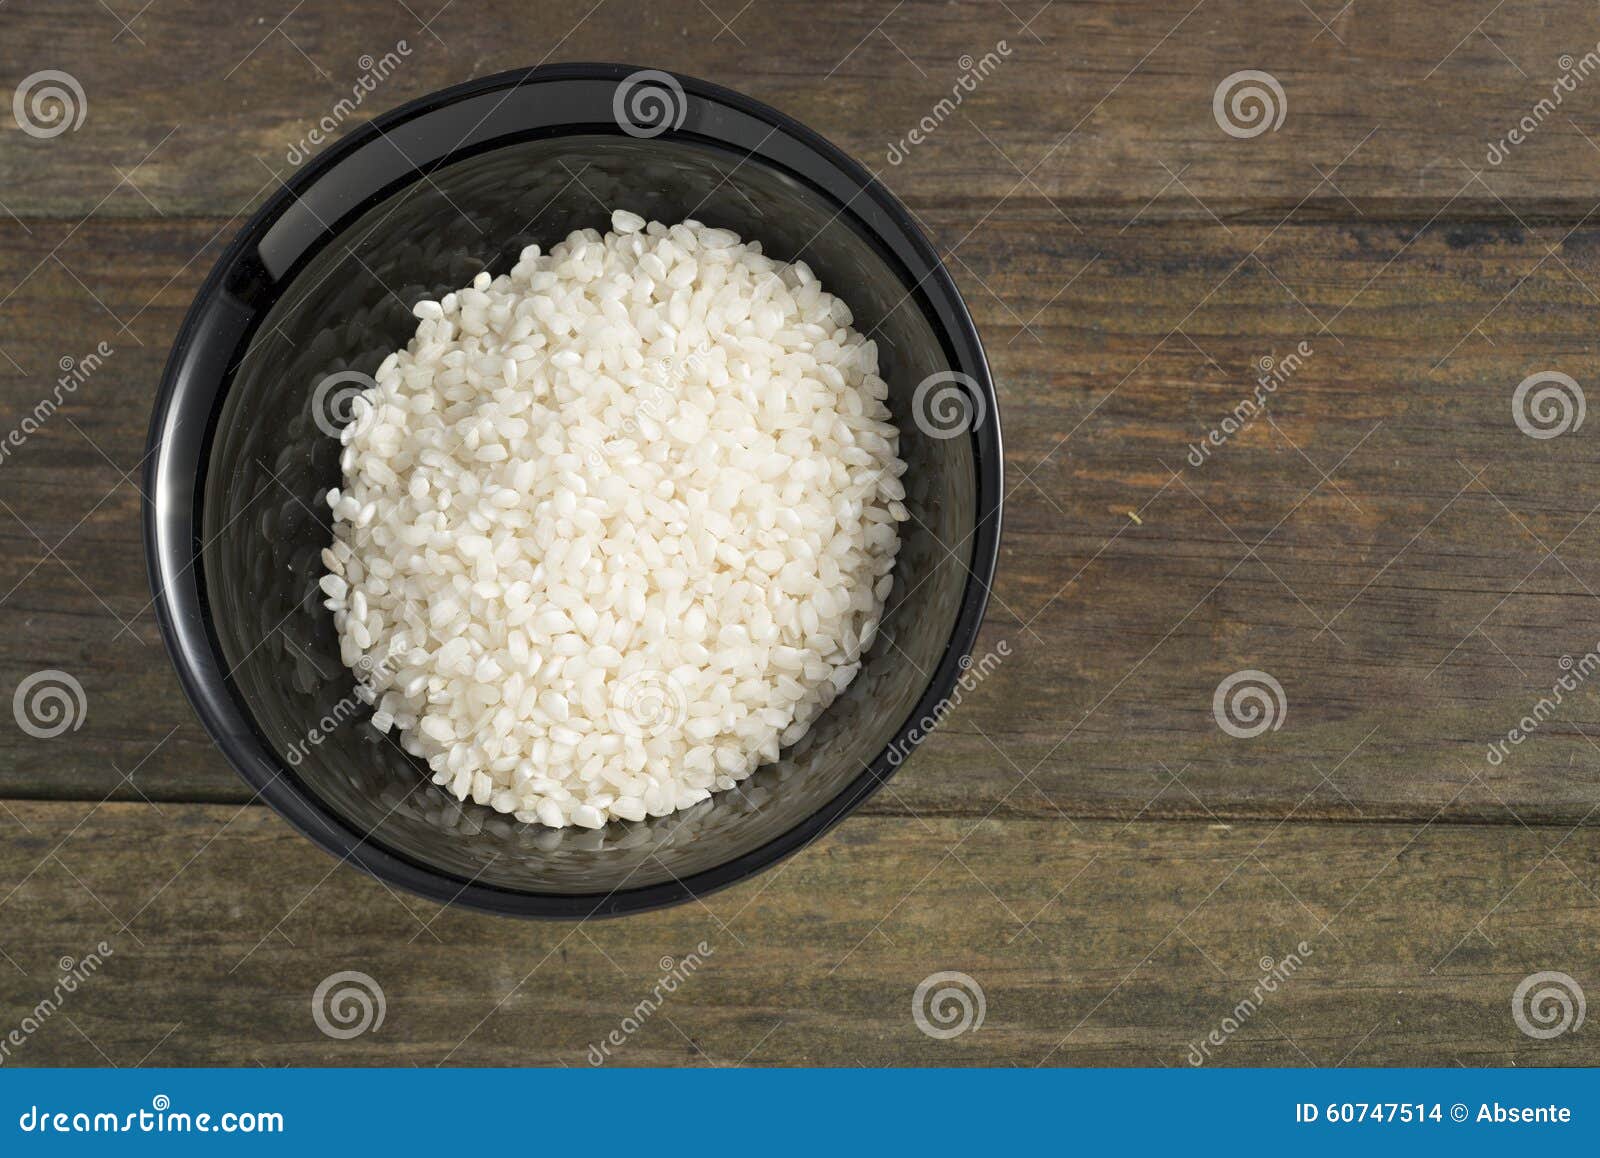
column 616, row 527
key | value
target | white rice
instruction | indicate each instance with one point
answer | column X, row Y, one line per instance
column 617, row 527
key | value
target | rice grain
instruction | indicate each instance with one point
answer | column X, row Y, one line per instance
column 617, row 526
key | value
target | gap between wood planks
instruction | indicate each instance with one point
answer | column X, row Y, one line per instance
column 1406, row 211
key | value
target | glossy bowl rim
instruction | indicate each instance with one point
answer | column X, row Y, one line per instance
column 178, row 608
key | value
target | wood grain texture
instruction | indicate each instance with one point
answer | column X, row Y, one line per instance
column 1096, row 108
column 1415, row 605
column 1095, row 943
column 1081, row 836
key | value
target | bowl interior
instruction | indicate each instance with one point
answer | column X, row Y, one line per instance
column 269, row 464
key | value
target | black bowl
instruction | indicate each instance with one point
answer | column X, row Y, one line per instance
column 320, row 282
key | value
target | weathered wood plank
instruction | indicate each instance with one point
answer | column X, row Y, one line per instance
column 1425, row 553
column 1107, row 109
column 1409, row 602
column 1093, row 944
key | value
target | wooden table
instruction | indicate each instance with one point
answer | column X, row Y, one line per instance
column 1114, row 870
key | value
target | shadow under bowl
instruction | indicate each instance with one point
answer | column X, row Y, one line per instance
column 321, row 281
